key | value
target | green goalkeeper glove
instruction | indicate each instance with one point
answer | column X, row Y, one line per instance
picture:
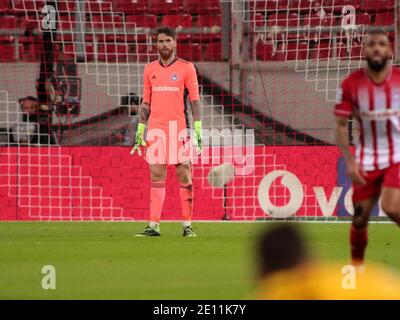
column 198, row 136
column 139, row 139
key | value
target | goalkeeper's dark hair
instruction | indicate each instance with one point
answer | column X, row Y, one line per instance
column 281, row 248
column 167, row 31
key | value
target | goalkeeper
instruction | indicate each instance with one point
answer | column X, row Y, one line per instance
column 167, row 142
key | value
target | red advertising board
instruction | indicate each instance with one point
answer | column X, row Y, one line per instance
column 107, row 183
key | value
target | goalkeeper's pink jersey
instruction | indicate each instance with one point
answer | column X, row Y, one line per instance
column 164, row 88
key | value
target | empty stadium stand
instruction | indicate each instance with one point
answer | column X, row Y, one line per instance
column 113, row 15
column 124, row 15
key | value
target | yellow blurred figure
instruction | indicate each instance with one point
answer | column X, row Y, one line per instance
column 287, row 272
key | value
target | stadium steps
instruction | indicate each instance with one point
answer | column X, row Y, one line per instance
column 50, row 185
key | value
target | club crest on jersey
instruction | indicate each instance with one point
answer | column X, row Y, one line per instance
column 174, row 77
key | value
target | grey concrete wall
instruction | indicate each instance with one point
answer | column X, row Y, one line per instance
column 102, row 87
column 298, row 95
column 296, row 98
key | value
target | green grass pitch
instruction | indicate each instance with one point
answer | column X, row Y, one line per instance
column 102, row 260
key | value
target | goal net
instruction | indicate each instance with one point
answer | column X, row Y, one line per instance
column 71, row 83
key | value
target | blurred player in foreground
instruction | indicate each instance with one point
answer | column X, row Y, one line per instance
column 163, row 109
column 372, row 96
column 287, row 272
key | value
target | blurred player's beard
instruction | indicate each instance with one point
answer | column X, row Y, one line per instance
column 166, row 54
column 377, row 66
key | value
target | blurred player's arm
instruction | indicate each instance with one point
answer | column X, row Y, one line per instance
column 195, row 110
column 144, row 113
column 343, row 111
column 144, row 110
column 342, row 138
column 192, row 85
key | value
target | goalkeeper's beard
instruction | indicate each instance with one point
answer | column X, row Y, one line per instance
column 166, row 55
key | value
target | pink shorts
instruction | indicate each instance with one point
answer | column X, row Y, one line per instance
column 168, row 150
column 389, row 177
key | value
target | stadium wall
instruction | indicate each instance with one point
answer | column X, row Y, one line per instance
column 274, row 89
column 302, row 99
column 19, row 80
column 106, row 183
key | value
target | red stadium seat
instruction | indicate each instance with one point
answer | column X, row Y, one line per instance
column 28, row 54
column 353, row 52
column 342, row 53
column 7, row 52
column 113, row 52
column 280, row 53
column 28, row 22
column 176, row 20
column 207, row 21
column 270, row 5
column 347, row 2
column 8, row 22
column 384, row 18
column 322, row 50
column 316, row 21
column 96, row 7
column 377, row 5
column 342, row 3
column 189, row 51
column 146, row 52
column 31, row 48
column 106, row 22
column 66, row 6
column 164, row 6
column 5, row 6
column 363, row 19
column 130, row 6
column 293, row 20
column 275, row 19
column 204, row 6
column 213, row 52
column 307, row 6
column 7, row 39
column 265, row 51
column 67, row 26
column 142, row 21
column 284, row 20
column 89, row 52
column 110, row 21
column 210, row 20
column 297, row 50
column 337, row 6
column 258, row 5
column 69, row 52
column 356, row 51
column 258, row 20
column 28, row 5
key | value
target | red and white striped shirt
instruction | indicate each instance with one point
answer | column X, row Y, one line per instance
column 377, row 109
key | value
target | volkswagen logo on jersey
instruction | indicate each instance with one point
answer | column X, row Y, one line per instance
column 174, row 77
